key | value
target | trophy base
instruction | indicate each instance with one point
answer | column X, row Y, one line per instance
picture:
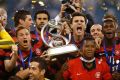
column 62, row 50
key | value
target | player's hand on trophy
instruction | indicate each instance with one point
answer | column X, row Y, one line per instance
column 46, row 56
column 66, row 28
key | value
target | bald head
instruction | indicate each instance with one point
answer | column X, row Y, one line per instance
column 96, row 30
column 3, row 12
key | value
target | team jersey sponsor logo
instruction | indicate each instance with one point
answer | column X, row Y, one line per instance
column 117, row 52
column 38, row 51
column 97, row 75
column 78, row 74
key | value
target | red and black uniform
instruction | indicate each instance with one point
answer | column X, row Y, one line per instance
column 12, row 33
column 23, row 61
column 37, row 41
column 27, row 56
column 107, row 52
column 3, row 74
column 76, row 71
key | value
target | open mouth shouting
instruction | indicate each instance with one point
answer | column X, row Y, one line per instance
column 79, row 29
column 25, row 43
column 109, row 34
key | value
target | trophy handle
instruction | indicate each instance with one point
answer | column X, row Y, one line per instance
column 67, row 41
column 42, row 35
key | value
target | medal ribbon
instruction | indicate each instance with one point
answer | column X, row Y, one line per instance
column 110, row 60
column 21, row 57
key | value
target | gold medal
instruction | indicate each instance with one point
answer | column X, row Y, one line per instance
column 21, row 68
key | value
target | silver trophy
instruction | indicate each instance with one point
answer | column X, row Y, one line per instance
column 51, row 34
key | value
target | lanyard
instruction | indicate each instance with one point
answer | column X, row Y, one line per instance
column 21, row 57
column 111, row 60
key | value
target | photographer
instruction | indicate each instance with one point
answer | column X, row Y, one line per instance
column 70, row 6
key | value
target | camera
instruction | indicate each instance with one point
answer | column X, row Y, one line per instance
column 69, row 10
column 65, row 1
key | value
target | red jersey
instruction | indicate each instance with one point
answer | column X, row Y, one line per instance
column 101, row 52
column 110, row 51
column 3, row 74
column 76, row 71
column 37, row 42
